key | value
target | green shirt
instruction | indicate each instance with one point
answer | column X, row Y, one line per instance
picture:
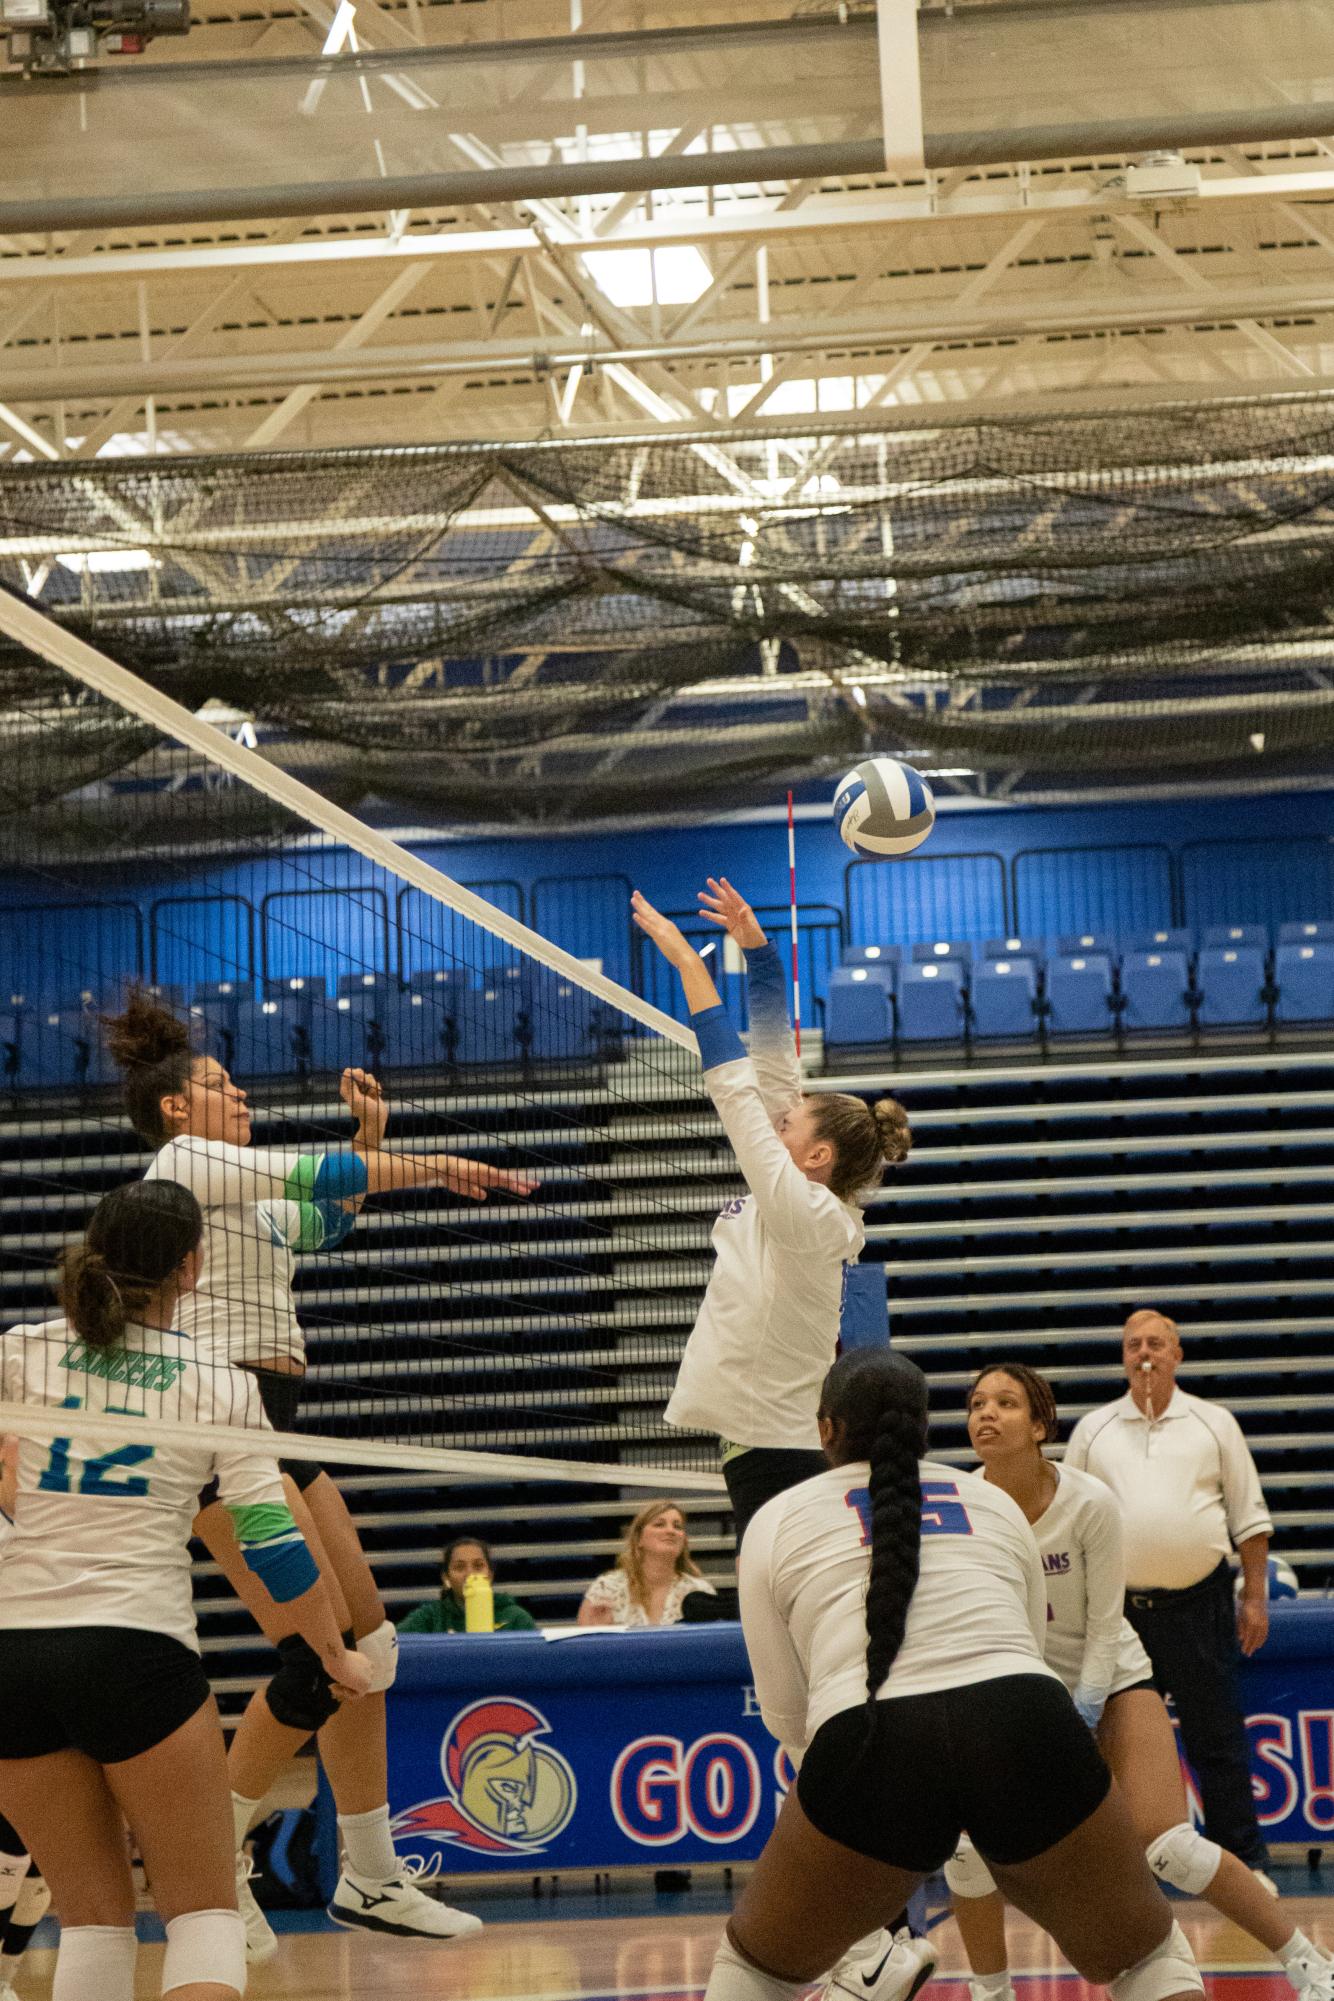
column 445, row 1615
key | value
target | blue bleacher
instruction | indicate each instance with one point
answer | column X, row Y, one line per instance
column 1005, row 997
column 1079, row 993
column 931, row 1001
column 295, row 986
column 350, row 984
column 1171, row 939
column 1155, row 990
column 1015, row 948
column 63, row 1049
column 205, row 992
column 859, row 1007
column 1231, row 983
column 1307, row 933
column 872, row 955
column 486, row 1025
column 1079, row 944
column 930, row 949
column 272, row 1037
column 1304, row 980
column 559, row 1021
column 432, row 978
column 1253, row 936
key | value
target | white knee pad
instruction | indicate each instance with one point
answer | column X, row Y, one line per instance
column 967, row 1874
column 735, row 1978
column 1169, row 1969
column 381, row 1650
column 95, row 1963
column 32, row 1902
column 1183, row 1858
column 205, row 1946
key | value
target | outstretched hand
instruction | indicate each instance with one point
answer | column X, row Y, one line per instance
column 367, row 1103
column 475, row 1180
column 668, row 937
column 726, row 907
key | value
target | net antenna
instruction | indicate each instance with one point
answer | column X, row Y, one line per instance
column 525, row 1336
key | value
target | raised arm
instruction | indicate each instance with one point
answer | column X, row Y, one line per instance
column 772, row 1049
column 387, row 1168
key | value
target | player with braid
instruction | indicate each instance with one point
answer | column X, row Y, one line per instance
column 1090, row 1643
column 894, row 1613
column 262, row 1205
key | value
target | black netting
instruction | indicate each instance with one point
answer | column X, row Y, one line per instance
column 559, row 631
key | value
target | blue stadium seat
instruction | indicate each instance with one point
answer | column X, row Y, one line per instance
column 931, row 1002
column 1173, row 939
column 859, row 1007
column 1251, row 935
column 1155, row 990
column 872, row 955
column 272, row 1037
column 214, row 1029
column 1304, row 977
column 434, row 977
column 1315, row 933
column 1079, row 944
column 366, row 983
column 295, row 986
column 1015, row 948
column 942, row 948
column 1231, row 983
column 63, row 1049
column 206, row 991
column 1005, row 997
column 556, row 1022
column 486, row 1023
column 1079, row 993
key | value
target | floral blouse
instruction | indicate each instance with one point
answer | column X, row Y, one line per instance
column 612, row 1589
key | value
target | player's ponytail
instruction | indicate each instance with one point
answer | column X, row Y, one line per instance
column 877, row 1404
column 152, row 1046
column 137, row 1238
column 866, row 1139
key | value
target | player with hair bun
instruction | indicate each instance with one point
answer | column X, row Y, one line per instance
column 262, row 1206
column 106, row 1715
column 768, row 1326
column 894, row 1613
column 1092, row 1646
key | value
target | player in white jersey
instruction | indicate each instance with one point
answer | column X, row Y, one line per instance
column 262, row 1206
column 1092, row 1646
column 24, row 1896
column 894, row 1613
column 767, row 1328
column 105, row 1710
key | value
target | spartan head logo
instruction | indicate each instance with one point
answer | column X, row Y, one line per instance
column 508, row 1792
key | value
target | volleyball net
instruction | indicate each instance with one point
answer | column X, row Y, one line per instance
column 507, row 1297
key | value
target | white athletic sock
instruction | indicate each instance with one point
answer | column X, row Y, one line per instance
column 13, row 1869
column 990, row 1986
column 735, row 1979
column 1299, row 1952
column 243, row 1812
column 368, row 1845
column 95, row 1963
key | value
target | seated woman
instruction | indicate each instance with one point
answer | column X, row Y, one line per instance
column 467, row 1556
column 654, row 1575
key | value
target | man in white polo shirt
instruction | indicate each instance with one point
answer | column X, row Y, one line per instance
column 1189, row 1494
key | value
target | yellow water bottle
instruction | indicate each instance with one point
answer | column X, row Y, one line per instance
column 479, row 1605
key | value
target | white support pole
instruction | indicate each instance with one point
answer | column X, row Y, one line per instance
column 901, row 86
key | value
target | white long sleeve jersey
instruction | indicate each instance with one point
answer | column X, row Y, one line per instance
column 767, row 1329
column 979, row 1610
column 1090, row 1642
column 101, row 1531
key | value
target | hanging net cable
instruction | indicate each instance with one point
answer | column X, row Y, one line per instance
column 532, row 1334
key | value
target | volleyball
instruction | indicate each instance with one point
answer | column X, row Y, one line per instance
column 883, row 808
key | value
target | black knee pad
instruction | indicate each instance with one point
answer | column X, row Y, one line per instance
column 302, row 1473
column 299, row 1695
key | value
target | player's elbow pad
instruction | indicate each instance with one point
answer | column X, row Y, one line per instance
column 340, row 1178
column 275, row 1550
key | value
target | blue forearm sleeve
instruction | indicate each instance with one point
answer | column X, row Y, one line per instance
column 340, row 1176
column 287, row 1570
column 718, row 1040
column 767, row 989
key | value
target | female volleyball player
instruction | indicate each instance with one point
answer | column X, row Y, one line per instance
column 24, row 1896
column 261, row 1205
column 105, row 1710
column 894, row 1614
column 768, row 1326
column 1097, row 1654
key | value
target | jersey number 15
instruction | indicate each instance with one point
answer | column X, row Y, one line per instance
column 943, row 1513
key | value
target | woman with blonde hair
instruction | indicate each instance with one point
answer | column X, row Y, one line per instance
column 654, row 1575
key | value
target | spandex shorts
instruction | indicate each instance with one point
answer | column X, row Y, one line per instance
column 111, row 1692
column 281, row 1397
column 1006, row 1761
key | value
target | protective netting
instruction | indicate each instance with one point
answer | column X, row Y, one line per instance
column 534, row 1237
column 568, row 631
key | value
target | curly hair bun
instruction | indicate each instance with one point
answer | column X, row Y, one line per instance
column 895, row 1132
column 144, row 1032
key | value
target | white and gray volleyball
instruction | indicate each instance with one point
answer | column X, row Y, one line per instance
column 883, row 808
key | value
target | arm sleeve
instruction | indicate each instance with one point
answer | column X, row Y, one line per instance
column 1104, row 1592
column 250, row 1487
column 1247, row 1514
column 780, row 1679
column 772, row 1049
column 801, row 1214
column 313, row 1212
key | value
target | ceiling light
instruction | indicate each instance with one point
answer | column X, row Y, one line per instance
column 675, row 276
column 107, row 559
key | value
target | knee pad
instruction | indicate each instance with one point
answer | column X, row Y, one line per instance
column 967, row 1874
column 1183, row 1858
column 299, row 1695
column 736, row 1978
column 32, row 1902
column 95, row 1960
column 204, row 1946
column 1169, row 1969
column 381, row 1650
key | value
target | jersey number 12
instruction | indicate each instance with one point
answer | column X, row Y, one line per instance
column 94, row 1478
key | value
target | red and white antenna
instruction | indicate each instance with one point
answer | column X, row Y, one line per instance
column 792, row 897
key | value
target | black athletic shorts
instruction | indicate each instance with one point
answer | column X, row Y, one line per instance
column 1007, row 1761
column 281, row 1397
column 112, row 1692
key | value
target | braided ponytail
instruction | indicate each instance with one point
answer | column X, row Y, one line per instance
column 877, row 1404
